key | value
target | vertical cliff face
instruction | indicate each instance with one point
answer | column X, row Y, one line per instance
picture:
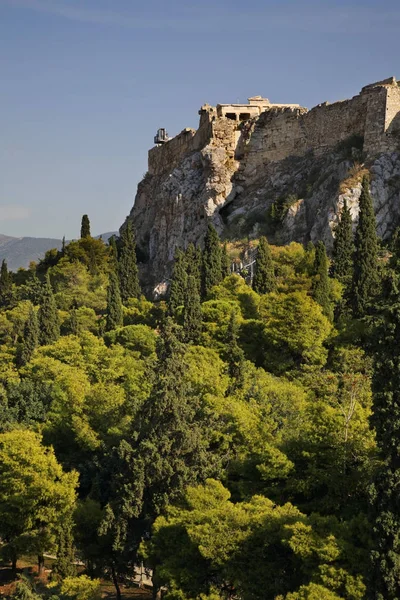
column 245, row 159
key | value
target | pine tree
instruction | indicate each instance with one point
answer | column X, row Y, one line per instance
column 225, row 261
column 5, row 285
column 30, row 339
column 365, row 274
column 211, row 267
column 179, row 283
column 234, row 355
column 320, row 287
column 384, row 580
column 114, row 304
column 264, row 280
column 49, row 324
column 127, row 266
column 85, row 227
column 64, row 565
column 192, row 323
column 343, row 249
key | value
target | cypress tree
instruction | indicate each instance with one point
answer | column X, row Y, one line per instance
column 73, row 321
column 85, row 227
column 179, row 282
column 320, row 287
column 365, row 274
column 343, row 249
column 234, row 355
column 64, row 566
column 49, row 324
column 114, row 304
column 384, row 580
column 5, row 285
column 30, row 339
column 193, row 263
column 225, row 261
column 113, row 253
column 264, row 275
column 211, row 264
column 192, row 323
column 127, row 266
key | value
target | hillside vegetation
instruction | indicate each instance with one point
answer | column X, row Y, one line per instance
column 239, row 440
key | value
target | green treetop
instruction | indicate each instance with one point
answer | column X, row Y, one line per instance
column 5, row 285
column 212, row 266
column 114, row 304
column 30, row 338
column 179, row 282
column 365, row 275
column 49, row 324
column 264, row 275
column 85, row 227
column 320, row 288
column 234, row 354
column 192, row 312
column 193, row 263
column 343, row 249
column 225, row 261
column 35, row 494
column 385, row 573
column 127, row 266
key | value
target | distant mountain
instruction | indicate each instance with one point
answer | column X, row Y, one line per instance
column 19, row 252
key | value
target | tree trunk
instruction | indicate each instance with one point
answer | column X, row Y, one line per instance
column 157, row 594
column 14, row 565
column 115, row 582
column 40, row 564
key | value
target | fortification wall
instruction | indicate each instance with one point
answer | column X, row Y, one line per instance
column 328, row 124
column 283, row 131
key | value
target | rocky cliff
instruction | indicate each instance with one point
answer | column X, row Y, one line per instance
column 263, row 168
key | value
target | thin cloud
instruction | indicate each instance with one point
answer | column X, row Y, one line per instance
column 13, row 212
column 305, row 17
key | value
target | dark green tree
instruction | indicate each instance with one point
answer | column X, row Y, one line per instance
column 85, row 227
column 193, row 263
column 171, row 449
column 48, row 321
column 127, row 265
column 365, row 274
column 343, row 249
column 192, row 324
column 225, row 261
column 384, row 581
column 114, row 304
column 73, row 320
column 320, row 286
column 264, row 280
column 212, row 263
column 5, row 285
column 64, row 565
column 179, row 282
column 234, row 355
column 30, row 339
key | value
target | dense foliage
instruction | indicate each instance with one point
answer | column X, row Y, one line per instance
column 237, row 438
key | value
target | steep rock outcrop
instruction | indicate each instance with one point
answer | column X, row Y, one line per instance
column 260, row 168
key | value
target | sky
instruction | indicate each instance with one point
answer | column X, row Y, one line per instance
column 85, row 84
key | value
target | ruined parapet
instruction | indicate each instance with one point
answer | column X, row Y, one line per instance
column 261, row 131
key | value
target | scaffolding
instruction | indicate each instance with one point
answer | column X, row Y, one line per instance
column 245, row 268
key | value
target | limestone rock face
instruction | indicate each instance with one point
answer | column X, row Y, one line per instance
column 284, row 173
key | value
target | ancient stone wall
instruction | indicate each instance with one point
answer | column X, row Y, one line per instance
column 288, row 130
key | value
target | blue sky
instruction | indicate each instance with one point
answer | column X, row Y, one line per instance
column 86, row 83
